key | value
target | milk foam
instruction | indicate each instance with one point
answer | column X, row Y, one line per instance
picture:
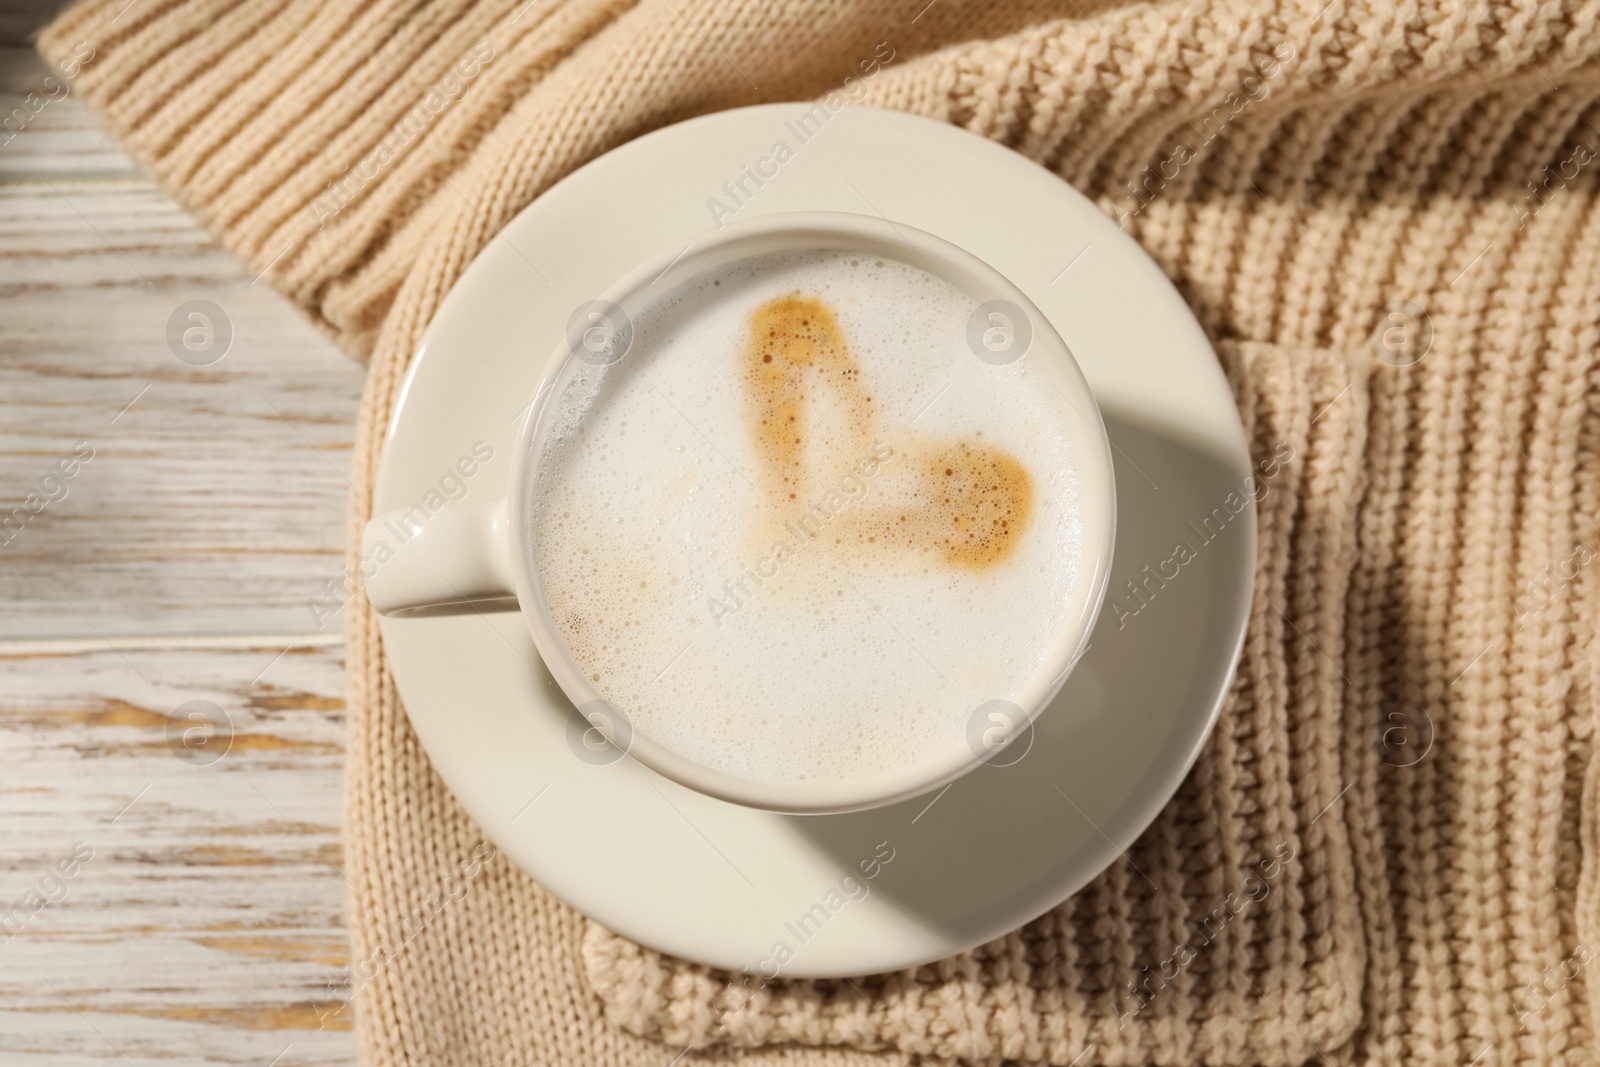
column 794, row 631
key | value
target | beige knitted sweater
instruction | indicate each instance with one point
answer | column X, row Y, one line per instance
column 1385, row 215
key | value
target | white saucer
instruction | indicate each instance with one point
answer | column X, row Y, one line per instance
column 721, row 884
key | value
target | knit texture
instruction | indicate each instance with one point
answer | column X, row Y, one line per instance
column 1384, row 215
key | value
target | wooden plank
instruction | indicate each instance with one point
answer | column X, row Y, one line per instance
column 202, row 918
column 44, row 131
column 202, row 922
column 214, row 500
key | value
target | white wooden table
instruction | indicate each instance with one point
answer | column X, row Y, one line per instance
column 161, row 900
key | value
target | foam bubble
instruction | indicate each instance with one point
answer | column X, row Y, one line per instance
column 799, row 533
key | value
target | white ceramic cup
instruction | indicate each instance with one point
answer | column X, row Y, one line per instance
column 472, row 555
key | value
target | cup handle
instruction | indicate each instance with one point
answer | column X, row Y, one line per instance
column 447, row 563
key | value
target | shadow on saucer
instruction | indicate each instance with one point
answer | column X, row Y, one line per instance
column 1110, row 750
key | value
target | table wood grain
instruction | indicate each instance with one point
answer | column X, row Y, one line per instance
column 171, row 710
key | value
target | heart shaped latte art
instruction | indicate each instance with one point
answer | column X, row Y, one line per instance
column 819, row 443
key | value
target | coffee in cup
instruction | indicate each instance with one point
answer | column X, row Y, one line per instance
column 799, row 531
